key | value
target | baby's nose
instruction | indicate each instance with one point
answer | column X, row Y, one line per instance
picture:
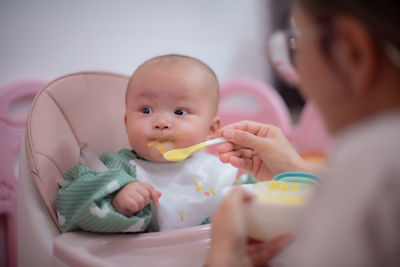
column 161, row 125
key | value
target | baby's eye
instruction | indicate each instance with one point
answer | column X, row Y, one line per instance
column 146, row 110
column 180, row 112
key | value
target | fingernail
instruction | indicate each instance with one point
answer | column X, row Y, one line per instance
column 229, row 134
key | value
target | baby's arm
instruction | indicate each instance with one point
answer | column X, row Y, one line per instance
column 134, row 197
column 84, row 202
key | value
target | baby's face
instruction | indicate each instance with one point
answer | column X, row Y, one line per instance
column 167, row 107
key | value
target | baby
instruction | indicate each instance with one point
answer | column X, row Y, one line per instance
column 171, row 102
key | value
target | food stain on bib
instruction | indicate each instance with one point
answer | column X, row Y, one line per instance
column 198, row 187
column 180, row 212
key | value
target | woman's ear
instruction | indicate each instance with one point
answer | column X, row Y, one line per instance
column 354, row 53
column 215, row 125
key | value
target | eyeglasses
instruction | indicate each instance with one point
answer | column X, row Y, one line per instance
column 283, row 45
column 392, row 53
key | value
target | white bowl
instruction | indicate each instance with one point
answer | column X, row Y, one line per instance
column 268, row 219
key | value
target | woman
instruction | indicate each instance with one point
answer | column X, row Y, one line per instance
column 348, row 60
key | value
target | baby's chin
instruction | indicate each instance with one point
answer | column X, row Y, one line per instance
column 152, row 155
column 159, row 159
column 156, row 149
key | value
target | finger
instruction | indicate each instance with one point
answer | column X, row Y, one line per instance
column 154, row 194
column 126, row 212
column 227, row 127
column 235, row 161
column 229, row 147
column 259, row 254
column 256, row 128
column 237, row 196
column 229, row 218
column 242, row 125
column 228, row 229
column 225, row 147
column 241, row 163
column 143, row 191
column 243, row 153
column 251, row 241
column 224, row 157
column 237, row 149
column 137, row 202
column 245, row 139
column 263, row 252
column 120, row 205
column 129, row 207
column 279, row 243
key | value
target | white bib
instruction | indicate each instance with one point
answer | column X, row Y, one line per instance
column 191, row 189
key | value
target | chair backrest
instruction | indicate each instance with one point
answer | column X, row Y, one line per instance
column 15, row 99
column 309, row 135
column 85, row 108
column 261, row 103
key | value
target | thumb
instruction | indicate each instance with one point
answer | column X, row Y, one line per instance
column 245, row 139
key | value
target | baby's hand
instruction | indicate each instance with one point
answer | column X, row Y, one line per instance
column 134, row 197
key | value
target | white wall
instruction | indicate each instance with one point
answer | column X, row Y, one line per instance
column 46, row 39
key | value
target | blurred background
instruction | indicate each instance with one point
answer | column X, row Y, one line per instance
column 46, row 39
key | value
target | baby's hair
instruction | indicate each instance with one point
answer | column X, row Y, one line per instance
column 177, row 57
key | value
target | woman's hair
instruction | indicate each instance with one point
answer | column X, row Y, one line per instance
column 381, row 18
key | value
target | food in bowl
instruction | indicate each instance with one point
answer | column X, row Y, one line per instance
column 277, row 208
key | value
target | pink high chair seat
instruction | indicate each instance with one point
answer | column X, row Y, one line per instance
column 14, row 98
column 309, row 135
column 264, row 103
column 72, row 111
column 80, row 109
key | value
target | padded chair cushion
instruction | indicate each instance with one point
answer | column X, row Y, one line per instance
column 74, row 110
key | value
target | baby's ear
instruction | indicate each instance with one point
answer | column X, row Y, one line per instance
column 215, row 125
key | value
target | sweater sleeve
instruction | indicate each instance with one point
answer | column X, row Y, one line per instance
column 84, row 200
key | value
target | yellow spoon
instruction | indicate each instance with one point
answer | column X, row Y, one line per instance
column 183, row 153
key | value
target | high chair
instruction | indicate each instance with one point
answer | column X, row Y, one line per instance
column 86, row 110
column 15, row 98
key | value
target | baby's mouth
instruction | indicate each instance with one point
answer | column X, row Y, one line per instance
column 161, row 144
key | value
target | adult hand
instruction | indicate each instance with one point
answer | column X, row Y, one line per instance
column 134, row 197
column 230, row 245
column 261, row 149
